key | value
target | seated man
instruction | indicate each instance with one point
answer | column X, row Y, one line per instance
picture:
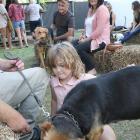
column 16, row 93
column 63, row 22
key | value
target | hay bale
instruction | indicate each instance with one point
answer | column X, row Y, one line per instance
column 117, row 60
column 7, row 134
column 134, row 40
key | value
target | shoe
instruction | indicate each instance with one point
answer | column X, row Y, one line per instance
column 26, row 46
column 36, row 133
column 117, row 42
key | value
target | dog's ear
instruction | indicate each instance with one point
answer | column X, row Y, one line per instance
column 36, row 32
column 36, row 29
column 46, row 30
column 45, row 127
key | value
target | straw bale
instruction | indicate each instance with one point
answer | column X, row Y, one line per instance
column 117, row 60
column 134, row 40
column 7, row 134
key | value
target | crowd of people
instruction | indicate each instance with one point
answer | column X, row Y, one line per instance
column 70, row 60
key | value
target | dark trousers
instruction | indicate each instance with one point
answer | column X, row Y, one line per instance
column 34, row 24
column 85, row 53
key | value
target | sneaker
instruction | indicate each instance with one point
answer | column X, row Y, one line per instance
column 36, row 133
column 117, row 42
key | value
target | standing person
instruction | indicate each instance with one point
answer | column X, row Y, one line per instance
column 63, row 22
column 10, row 33
column 97, row 34
column 112, row 15
column 67, row 71
column 16, row 93
column 33, row 10
column 3, row 24
column 135, row 27
column 17, row 15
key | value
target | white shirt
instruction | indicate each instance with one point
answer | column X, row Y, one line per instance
column 3, row 18
column 88, row 25
column 33, row 10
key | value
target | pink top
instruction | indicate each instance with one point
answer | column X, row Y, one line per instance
column 62, row 90
column 101, row 27
column 16, row 12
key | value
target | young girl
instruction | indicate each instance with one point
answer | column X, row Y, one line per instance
column 67, row 71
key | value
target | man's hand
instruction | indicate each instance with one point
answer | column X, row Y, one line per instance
column 11, row 65
column 13, row 118
column 18, row 124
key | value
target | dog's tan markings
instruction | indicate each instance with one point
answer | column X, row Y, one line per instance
column 96, row 133
column 97, row 129
column 48, row 132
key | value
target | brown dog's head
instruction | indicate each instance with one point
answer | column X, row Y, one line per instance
column 41, row 33
column 49, row 132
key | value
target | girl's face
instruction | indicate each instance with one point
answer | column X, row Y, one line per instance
column 93, row 2
column 61, row 71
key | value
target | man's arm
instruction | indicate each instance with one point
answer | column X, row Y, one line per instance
column 13, row 119
column 68, row 34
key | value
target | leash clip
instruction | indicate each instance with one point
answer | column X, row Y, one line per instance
column 45, row 113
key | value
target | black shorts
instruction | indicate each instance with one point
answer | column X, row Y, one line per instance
column 34, row 24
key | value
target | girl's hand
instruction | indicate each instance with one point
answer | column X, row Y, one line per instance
column 11, row 65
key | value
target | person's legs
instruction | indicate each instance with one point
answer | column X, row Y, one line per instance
column 85, row 54
column 33, row 25
column 15, row 91
column 3, row 34
column 108, row 133
column 23, row 32
column 9, row 38
column 130, row 34
column 16, row 25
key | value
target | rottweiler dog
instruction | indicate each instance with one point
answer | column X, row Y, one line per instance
column 111, row 97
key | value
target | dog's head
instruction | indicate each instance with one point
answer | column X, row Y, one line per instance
column 49, row 132
column 41, row 33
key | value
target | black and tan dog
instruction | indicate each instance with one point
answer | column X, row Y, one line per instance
column 43, row 41
column 91, row 104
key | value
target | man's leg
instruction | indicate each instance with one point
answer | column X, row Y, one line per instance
column 16, row 92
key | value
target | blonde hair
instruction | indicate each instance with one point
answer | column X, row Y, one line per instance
column 66, row 52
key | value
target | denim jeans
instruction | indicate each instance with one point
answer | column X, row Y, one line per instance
column 130, row 34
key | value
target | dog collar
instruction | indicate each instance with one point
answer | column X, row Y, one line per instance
column 69, row 116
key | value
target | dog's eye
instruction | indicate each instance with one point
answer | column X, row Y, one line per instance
column 39, row 32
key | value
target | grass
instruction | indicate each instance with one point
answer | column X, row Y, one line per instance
column 125, row 130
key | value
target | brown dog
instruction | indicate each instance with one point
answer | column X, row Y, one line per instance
column 43, row 41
